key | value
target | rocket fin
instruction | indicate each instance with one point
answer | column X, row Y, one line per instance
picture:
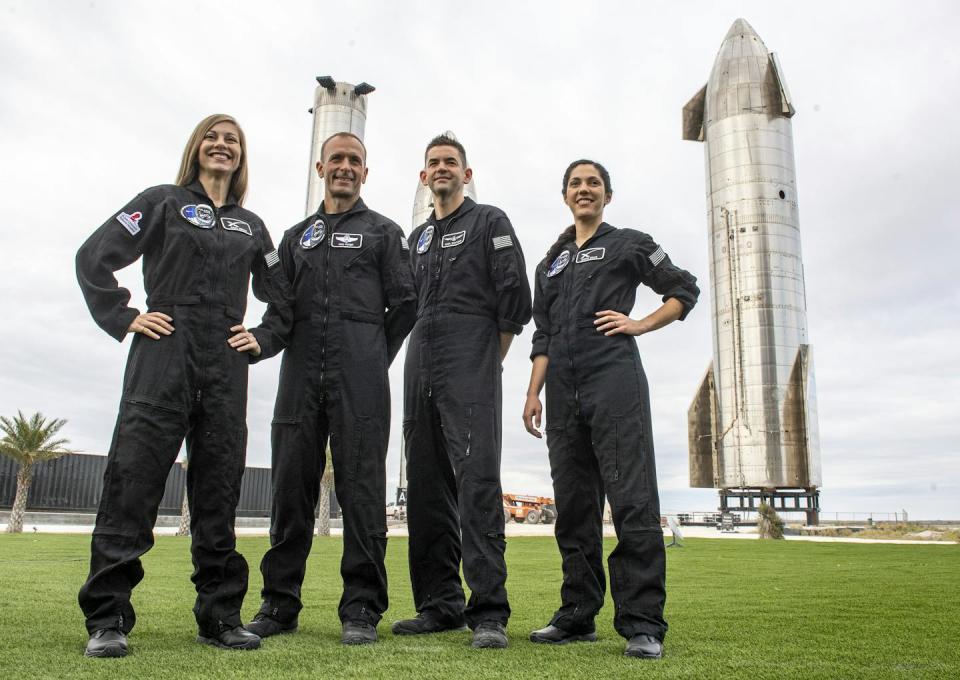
column 786, row 103
column 800, row 435
column 693, row 116
column 702, row 433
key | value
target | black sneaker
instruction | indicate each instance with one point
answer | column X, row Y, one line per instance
column 264, row 626
column 644, row 647
column 424, row 623
column 236, row 637
column 489, row 635
column 552, row 635
column 106, row 642
column 358, row 633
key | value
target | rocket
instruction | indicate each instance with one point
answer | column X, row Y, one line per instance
column 423, row 199
column 337, row 107
column 753, row 421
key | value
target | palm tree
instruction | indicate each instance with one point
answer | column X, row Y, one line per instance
column 326, row 487
column 28, row 442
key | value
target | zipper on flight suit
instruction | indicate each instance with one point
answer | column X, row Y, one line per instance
column 434, row 283
column 326, row 310
column 218, row 258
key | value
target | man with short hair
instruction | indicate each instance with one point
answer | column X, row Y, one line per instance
column 352, row 305
column 473, row 297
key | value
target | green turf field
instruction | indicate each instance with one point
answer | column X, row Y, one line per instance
column 736, row 608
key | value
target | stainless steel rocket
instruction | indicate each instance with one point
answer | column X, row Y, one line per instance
column 753, row 421
column 337, row 107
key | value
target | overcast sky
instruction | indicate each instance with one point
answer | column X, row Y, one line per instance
column 97, row 100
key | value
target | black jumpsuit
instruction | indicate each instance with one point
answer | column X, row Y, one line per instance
column 197, row 262
column 353, row 306
column 471, row 286
column 599, row 427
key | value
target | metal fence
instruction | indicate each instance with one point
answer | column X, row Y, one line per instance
column 73, row 484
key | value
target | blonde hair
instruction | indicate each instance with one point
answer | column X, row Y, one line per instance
column 190, row 162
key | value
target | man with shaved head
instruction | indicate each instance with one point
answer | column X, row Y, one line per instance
column 352, row 305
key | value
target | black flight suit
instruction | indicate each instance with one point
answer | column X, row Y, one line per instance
column 353, row 305
column 471, row 286
column 197, row 262
column 599, row 427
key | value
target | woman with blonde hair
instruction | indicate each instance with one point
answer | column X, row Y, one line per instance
column 186, row 379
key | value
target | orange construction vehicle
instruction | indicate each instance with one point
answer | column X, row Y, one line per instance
column 530, row 509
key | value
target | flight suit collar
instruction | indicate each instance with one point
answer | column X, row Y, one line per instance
column 465, row 207
column 357, row 207
column 196, row 187
column 603, row 229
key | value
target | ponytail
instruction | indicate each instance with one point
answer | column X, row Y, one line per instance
column 567, row 235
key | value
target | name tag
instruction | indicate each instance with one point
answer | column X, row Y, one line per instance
column 346, row 240
column 591, row 254
column 451, row 240
column 233, row 224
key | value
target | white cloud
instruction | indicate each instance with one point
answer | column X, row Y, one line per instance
column 97, row 99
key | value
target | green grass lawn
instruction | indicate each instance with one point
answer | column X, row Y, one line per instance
column 736, row 608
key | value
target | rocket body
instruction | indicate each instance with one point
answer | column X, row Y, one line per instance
column 753, row 422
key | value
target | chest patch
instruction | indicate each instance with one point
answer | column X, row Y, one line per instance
column 199, row 215
column 233, row 224
column 591, row 254
column 426, row 238
column 559, row 264
column 313, row 235
column 451, row 240
column 346, row 240
column 130, row 222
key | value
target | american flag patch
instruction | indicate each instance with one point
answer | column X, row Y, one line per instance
column 272, row 258
column 403, row 243
column 657, row 256
column 501, row 242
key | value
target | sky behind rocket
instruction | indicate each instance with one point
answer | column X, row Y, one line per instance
column 97, row 100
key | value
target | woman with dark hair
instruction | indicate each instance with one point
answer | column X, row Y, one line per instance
column 598, row 413
column 186, row 378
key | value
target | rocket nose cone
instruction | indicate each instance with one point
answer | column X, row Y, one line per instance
column 740, row 27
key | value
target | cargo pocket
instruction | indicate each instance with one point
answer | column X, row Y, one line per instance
column 366, row 466
column 476, row 445
column 623, row 462
column 155, row 369
column 505, row 270
column 482, row 519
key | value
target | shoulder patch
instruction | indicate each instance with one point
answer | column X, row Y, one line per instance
column 591, row 254
column 403, row 243
column 131, row 222
column 657, row 256
column 501, row 242
column 454, row 239
column 233, row 224
column 272, row 258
